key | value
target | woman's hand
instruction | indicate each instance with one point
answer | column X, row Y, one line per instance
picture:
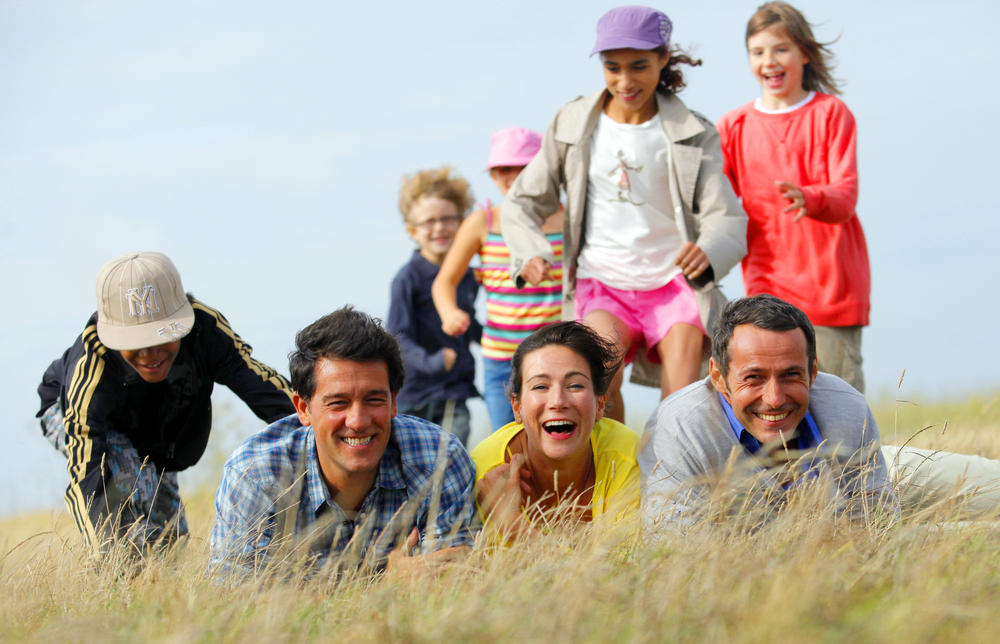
column 502, row 492
column 536, row 270
column 797, row 200
column 692, row 260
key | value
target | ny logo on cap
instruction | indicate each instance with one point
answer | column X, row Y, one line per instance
column 173, row 331
column 142, row 301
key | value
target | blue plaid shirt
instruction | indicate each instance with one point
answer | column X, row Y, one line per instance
column 258, row 486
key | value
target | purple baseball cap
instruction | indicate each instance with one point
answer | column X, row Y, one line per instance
column 633, row 27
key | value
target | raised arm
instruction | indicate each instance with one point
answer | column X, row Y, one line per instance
column 533, row 197
column 468, row 242
column 835, row 202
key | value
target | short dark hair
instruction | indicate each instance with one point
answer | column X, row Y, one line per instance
column 602, row 356
column 764, row 312
column 345, row 334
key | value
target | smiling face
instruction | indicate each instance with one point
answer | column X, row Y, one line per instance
column 631, row 76
column 153, row 363
column 768, row 381
column 778, row 64
column 432, row 224
column 557, row 404
column 351, row 415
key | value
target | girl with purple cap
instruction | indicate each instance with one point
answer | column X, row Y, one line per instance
column 651, row 221
column 511, row 314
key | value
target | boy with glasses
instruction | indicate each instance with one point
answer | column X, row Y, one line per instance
column 439, row 368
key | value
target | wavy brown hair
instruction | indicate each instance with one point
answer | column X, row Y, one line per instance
column 671, row 77
column 817, row 75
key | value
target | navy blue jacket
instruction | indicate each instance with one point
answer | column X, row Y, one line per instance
column 414, row 320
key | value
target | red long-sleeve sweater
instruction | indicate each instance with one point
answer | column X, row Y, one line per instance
column 820, row 263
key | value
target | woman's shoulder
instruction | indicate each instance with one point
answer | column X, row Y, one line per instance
column 491, row 451
column 612, row 436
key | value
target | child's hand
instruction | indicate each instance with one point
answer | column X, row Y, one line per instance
column 449, row 356
column 536, row 270
column 455, row 322
column 794, row 195
column 692, row 260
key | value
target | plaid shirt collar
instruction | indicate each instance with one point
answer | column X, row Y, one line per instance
column 317, row 493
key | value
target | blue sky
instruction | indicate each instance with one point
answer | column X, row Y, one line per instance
column 261, row 147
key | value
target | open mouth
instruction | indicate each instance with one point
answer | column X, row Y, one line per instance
column 356, row 441
column 559, row 428
column 772, row 417
column 775, row 79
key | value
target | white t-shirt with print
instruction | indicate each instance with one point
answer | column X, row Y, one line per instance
column 631, row 239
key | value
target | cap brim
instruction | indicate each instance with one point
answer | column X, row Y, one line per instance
column 150, row 334
column 624, row 42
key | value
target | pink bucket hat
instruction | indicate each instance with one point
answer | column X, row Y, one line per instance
column 513, row 146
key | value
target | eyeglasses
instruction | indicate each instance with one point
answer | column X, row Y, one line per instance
column 447, row 221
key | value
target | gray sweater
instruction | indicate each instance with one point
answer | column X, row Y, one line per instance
column 688, row 443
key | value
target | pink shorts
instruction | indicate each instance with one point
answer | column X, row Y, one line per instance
column 649, row 315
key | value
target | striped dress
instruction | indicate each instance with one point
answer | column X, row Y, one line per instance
column 513, row 314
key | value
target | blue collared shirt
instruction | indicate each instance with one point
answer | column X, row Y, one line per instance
column 257, row 484
column 807, row 433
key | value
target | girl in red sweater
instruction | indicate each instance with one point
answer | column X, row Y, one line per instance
column 791, row 157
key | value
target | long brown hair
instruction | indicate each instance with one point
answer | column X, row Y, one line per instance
column 817, row 75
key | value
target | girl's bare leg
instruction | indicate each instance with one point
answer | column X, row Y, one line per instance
column 614, row 330
column 680, row 355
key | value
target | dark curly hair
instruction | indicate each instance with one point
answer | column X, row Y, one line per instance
column 671, row 78
column 345, row 334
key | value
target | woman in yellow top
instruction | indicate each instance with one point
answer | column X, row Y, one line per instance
column 560, row 457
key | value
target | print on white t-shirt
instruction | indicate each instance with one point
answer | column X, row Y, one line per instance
column 630, row 239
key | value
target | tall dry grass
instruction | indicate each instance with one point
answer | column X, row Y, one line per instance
column 806, row 575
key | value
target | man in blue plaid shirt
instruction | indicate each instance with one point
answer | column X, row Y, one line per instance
column 345, row 482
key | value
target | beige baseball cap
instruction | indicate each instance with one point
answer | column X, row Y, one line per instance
column 141, row 302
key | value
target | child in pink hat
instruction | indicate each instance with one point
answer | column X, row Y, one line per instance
column 511, row 314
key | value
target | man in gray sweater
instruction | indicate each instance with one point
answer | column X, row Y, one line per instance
column 766, row 421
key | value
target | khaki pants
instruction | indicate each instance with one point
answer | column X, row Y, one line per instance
column 838, row 350
column 926, row 477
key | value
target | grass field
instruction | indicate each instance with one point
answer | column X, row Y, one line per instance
column 803, row 577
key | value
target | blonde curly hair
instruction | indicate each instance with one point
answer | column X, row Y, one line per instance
column 439, row 182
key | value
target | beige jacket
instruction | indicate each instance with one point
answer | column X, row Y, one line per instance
column 706, row 210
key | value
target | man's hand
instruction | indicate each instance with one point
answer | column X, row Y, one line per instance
column 449, row 356
column 797, row 200
column 400, row 559
column 536, row 270
column 455, row 322
column 692, row 260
